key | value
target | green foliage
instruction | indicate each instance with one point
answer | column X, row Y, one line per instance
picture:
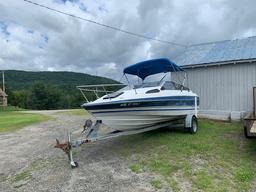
column 10, row 108
column 19, row 98
column 44, row 97
column 67, row 81
column 48, row 90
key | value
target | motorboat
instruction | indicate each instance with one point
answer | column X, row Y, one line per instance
column 135, row 108
column 142, row 105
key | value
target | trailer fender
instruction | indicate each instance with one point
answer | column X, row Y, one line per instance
column 188, row 121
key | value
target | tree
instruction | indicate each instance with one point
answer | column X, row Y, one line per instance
column 44, row 97
column 54, row 96
column 18, row 98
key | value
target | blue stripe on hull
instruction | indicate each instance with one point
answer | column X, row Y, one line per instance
column 152, row 99
column 156, row 102
column 138, row 110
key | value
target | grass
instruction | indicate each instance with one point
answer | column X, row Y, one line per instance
column 156, row 183
column 73, row 112
column 11, row 108
column 136, row 168
column 24, row 175
column 244, row 173
column 14, row 120
column 203, row 180
column 217, row 158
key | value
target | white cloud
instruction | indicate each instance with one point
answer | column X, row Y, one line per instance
column 38, row 39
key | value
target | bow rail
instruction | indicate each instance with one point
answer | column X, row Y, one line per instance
column 97, row 89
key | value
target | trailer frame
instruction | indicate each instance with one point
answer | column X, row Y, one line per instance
column 92, row 134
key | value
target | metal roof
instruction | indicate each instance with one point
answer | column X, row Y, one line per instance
column 218, row 52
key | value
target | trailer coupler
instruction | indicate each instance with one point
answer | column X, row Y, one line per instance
column 88, row 130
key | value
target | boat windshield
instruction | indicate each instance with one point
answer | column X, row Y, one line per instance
column 170, row 85
column 147, row 84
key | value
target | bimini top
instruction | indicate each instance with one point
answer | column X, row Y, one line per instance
column 151, row 67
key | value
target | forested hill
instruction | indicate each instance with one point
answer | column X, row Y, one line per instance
column 17, row 80
column 48, row 90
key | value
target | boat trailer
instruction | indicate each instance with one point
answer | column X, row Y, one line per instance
column 97, row 131
column 250, row 120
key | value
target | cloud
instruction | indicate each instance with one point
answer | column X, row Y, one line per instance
column 33, row 38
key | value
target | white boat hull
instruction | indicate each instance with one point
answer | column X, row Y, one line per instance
column 140, row 118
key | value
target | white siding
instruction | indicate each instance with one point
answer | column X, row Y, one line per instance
column 223, row 88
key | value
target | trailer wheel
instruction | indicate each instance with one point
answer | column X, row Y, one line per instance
column 75, row 165
column 194, row 125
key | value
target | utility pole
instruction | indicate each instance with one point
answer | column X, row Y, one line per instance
column 3, row 82
column 4, row 96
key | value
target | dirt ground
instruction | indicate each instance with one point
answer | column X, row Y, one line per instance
column 29, row 161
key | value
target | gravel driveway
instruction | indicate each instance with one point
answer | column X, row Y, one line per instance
column 29, row 161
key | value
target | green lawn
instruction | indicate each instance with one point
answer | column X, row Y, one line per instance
column 13, row 120
column 73, row 112
column 217, row 158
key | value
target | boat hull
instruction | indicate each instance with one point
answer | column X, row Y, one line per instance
column 142, row 113
column 128, row 119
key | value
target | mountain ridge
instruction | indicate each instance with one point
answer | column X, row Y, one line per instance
column 48, row 89
column 21, row 79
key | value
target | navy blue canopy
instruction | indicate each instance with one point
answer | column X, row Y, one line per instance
column 151, row 67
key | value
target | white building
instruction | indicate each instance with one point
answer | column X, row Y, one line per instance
column 223, row 74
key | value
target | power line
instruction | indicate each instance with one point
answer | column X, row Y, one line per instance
column 104, row 25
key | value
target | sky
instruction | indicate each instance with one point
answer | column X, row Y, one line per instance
column 36, row 39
